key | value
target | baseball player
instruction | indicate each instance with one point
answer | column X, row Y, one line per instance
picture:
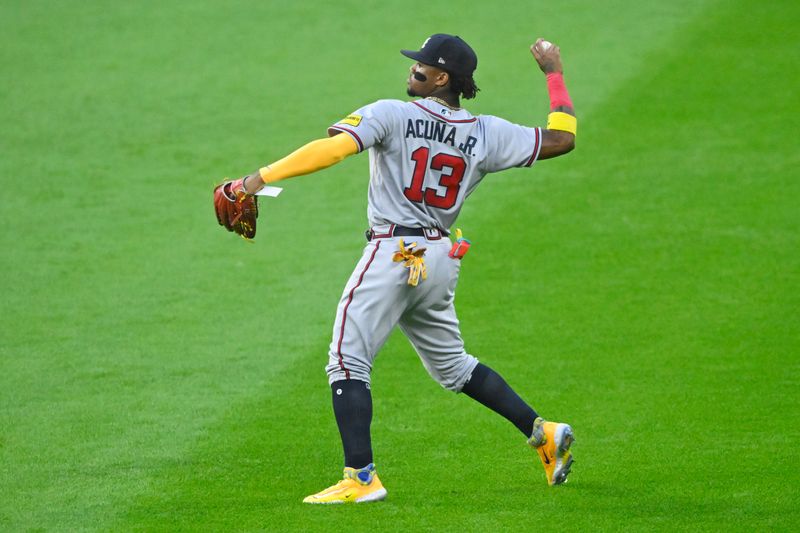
column 426, row 157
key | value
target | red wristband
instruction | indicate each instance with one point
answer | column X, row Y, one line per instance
column 558, row 91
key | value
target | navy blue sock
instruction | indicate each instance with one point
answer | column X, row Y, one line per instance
column 489, row 388
column 352, row 405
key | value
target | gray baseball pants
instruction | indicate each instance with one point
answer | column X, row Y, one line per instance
column 377, row 298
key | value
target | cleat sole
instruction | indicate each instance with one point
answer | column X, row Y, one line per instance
column 564, row 438
column 560, row 476
column 376, row 496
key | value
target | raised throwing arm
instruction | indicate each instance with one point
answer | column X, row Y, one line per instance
column 559, row 137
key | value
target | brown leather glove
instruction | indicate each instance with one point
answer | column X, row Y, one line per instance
column 236, row 209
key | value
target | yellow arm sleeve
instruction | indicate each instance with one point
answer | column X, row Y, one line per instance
column 314, row 156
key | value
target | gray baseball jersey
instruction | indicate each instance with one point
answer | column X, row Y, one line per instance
column 425, row 159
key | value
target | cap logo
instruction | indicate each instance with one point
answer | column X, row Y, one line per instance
column 442, row 61
column 426, row 42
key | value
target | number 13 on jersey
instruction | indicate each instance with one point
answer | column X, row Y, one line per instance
column 452, row 169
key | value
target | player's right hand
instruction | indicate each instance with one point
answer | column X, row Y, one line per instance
column 548, row 58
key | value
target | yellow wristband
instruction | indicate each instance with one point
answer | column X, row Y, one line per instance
column 562, row 122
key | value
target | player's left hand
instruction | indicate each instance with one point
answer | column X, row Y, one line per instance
column 236, row 209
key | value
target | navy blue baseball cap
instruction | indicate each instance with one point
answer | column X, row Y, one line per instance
column 448, row 52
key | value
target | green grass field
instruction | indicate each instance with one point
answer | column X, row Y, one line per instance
column 159, row 374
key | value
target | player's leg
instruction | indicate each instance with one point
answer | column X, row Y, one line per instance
column 432, row 327
column 490, row 389
column 352, row 407
column 446, row 365
column 435, row 335
column 368, row 311
column 551, row 440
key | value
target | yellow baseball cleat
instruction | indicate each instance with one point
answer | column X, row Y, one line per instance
column 553, row 441
column 358, row 486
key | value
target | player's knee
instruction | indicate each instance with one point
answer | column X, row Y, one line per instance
column 343, row 369
column 453, row 374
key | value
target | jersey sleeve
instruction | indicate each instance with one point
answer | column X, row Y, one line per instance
column 368, row 125
column 510, row 145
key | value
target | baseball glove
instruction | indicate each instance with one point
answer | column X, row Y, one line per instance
column 236, row 209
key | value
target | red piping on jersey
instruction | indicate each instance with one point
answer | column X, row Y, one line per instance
column 352, row 133
column 536, row 144
column 344, row 312
column 437, row 115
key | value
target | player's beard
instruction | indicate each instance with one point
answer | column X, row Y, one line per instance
column 409, row 90
column 419, row 77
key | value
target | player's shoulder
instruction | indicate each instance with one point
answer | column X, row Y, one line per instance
column 492, row 120
column 391, row 102
column 492, row 123
column 381, row 110
column 387, row 104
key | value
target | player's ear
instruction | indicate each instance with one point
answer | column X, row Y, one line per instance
column 442, row 79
